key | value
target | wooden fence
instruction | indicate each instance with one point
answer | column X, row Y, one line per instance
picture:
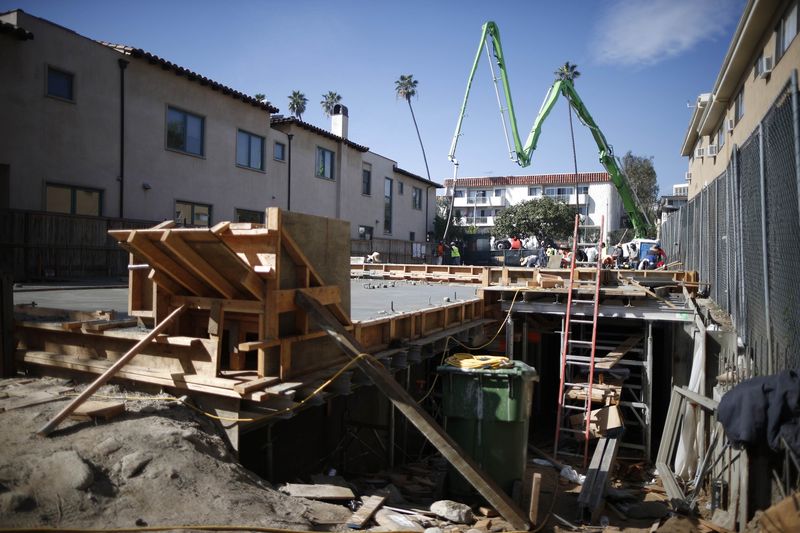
column 392, row 250
column 37, row 246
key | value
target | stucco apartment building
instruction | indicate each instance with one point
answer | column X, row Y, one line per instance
column 95, row 128
column 478, row 200
column 762, row 58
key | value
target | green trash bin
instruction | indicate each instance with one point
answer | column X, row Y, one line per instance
column 487, row 413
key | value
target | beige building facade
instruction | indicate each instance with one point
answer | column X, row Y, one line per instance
column 100, row 129
column 761, row 60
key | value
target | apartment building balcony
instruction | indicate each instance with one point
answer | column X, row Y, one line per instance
column 480, row 201
column 476, row 221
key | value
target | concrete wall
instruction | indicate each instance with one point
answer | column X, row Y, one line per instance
column 759, row 95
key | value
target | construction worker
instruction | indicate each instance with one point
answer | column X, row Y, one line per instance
column 656, row 257
column 516, row 244
column 455, row 254
column 439, row 253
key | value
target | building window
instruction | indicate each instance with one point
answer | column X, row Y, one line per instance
column 560, row 194
column 412, row 236
column 366, row 179
column 416, row 198
column 459, row 193
column 325, row 164
column 60, row 84
column 192, row 214
column 279, row 152
column 248, row 215
column 721, row 135
column 758, row 65
column 534, row 191
column 387, row 205
column 249, row 150
column 365, row 233
column 739, row 106
column 497, row 212
column 786, row 31
column 583, row 189
column 400, row 187
column 73, row 200
column 499, row 193
column 185, row 131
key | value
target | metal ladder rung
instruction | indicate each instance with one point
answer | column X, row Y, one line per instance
column 580, row 321
column 574, row 407
column 570, row 430
column 577, row 301
column 575, row 341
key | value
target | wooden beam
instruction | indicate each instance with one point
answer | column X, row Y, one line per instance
column 231, row 306
column 161, row 261
column 255, row 384
column 325, row 295
column 368, row 508
column 613, row 357
column 164, row 282
column 533, row 508
column 191, row 259
column 403, row 401
column 108, row 374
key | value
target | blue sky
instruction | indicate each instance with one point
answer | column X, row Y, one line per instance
column 640, row 63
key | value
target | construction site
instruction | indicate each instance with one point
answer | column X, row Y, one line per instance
column 272, row 376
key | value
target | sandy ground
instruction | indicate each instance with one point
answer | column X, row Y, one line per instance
column 159, row 463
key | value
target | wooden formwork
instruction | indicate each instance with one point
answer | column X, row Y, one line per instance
column 241, row 335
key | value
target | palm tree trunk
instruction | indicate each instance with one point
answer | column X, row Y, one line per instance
column 424, row 157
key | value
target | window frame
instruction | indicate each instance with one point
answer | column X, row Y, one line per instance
column 780, row 30
column 579, row 188
column 282, row 159
column 738, row 107
column 400, row 188
column 238, row 210
column 416, row 198
column 250, row 136
column 366, row 179
column 459, row 193
column 194, row 204
column 202, row 154
column 535, row 188
column 388, row 205
column 320, row 151
column 721, row 135
column 500, row 192
column 73, row 199
column 47, row 68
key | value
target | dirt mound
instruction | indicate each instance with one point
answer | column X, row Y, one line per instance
column 159, row 463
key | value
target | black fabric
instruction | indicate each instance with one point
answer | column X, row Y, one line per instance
column 763, row 409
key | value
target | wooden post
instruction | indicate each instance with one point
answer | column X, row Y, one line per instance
column 533, row 509
column 108, row 374
column 6, row 325
column 403, row 401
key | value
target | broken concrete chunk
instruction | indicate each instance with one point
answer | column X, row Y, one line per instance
column 107, row 447
column 434, row 530
column 16, row 501
column 64, row 470
column 453, row 511
column 134, row 463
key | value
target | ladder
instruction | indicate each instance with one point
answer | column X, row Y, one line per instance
column 575, row 346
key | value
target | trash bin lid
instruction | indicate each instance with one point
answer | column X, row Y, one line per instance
column 519, row 370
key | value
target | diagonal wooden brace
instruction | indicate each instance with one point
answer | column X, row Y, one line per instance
column 403, row 401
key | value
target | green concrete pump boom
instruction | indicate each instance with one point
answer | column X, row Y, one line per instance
column 522, row 154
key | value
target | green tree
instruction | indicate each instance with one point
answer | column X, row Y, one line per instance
column 405, row 87
column 542, row 218
column 441, row 219
column 297, row 104
column 329, row 100
column 641, row 175
column 260, row 97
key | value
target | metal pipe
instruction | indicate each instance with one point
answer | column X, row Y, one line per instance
column 289, row 171
column 123, row 64
column 764, row 248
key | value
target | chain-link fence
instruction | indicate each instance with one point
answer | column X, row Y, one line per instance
column 742, row 234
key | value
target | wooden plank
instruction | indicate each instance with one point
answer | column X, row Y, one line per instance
column 108, row 374
column 230, row 306
column 460, row 460
column 318, row 492
column 368, row 508
column 533, row 508
column 327, row 295
column 199, row 266
column 97, row 409
column 110, row 324
column 35, row 398
column 161, row 261
column 164, row 283
column 255, row 384
column 613, row 357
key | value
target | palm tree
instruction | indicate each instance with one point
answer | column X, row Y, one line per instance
column 297, row 104
column 329, row 100
column 406, row 87
column 260, row 97
column 568, row 72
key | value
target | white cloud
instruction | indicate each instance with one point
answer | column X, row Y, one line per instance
column 642, row 32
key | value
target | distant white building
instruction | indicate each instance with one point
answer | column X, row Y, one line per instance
column 478, row 200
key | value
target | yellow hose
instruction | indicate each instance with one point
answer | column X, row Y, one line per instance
column 473, row 362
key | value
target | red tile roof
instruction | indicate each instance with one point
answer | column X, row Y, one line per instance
column 190, row 75
column 540, row 179
column 279, row 120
